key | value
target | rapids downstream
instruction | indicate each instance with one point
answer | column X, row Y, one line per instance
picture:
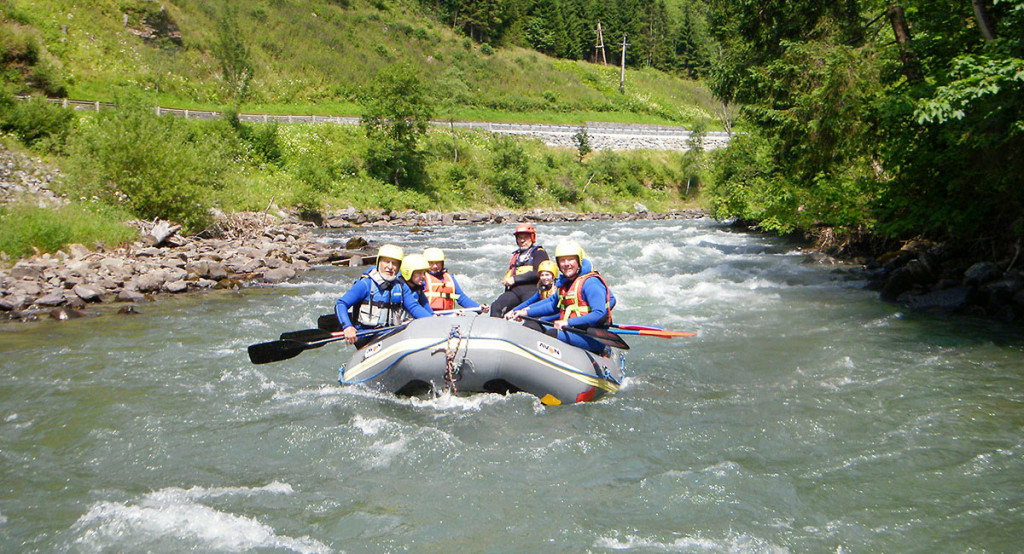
column 806, row 416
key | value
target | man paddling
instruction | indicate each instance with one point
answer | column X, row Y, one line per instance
column 582, row 300
column 379, row 298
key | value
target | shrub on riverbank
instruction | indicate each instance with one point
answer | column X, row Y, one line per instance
column 164, row 167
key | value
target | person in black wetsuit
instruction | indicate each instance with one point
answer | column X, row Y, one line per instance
column 521, row 278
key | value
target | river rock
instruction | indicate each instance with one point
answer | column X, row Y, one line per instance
column 130, row 295
column 949, row 300
column 88, row 293
column 176, row 286
column 150, row 281
column 278, row 275
column 51, row 299
column 981, row 273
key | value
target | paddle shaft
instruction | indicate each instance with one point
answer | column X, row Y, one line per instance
column 278, row 350
column 603, row 336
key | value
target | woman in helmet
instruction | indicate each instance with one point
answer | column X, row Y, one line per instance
column 414, row 272
column 546, row 273
column 441, row 288
column 521, row 278
column 583, row 299
column 379, row 298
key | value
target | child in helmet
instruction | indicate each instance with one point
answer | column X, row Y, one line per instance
column 546, row 273
column 414, row 272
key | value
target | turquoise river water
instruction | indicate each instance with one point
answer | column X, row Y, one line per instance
column 806, row 416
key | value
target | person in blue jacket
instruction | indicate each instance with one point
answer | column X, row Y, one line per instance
column 380, row 298
column 547, row 271
column 583, row 300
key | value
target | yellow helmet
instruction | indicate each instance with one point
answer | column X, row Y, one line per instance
column 569, row 248
column 434, row 254
column 549, row 266
column 413, row 263
column 390, row 251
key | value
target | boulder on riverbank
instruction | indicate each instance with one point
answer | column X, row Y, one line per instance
column 943, row 279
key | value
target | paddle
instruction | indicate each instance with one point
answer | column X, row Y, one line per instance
column 329, row 322
column 660, row 332
column 278, row 350
column 654, row 333
column 603, row 336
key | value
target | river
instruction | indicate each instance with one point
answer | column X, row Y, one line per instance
column 806, row 416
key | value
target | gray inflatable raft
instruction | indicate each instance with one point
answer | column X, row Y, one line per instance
column 478, row 353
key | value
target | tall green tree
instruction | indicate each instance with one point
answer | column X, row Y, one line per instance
column 235, row 60
column 396, row 114
column 899, row 119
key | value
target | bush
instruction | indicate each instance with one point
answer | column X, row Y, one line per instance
column 37, row 123
column 509, row 169
column 24, row 227
column 154, row 166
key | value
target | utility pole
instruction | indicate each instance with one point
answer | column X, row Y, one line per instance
column 599, row 46
column 622, row 74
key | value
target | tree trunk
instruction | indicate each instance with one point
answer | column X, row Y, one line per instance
column 455, row 144
column 902, row 31
column 985, row 24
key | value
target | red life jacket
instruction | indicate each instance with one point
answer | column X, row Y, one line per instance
column 440, row 291
column 571, row 302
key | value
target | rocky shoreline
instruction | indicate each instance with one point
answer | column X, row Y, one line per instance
column 261, row 248
column 242, row 249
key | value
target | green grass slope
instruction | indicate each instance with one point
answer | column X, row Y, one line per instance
column 316, row 56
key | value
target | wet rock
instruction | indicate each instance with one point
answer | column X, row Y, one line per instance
column 355, row 243
column 949, row 300
column 64, row 314
column 906, row 278
column 128, row 310
column 981, row 273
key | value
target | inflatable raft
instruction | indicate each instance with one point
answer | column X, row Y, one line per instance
column 478, row 353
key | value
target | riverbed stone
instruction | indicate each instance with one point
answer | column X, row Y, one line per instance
column 88, row 293
column 278, row 275
column 176, row 286
column 55, row 298
column 130, row 295
column 981, row 273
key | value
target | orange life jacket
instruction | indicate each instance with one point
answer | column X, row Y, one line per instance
column 440, row 291
column 571, row 302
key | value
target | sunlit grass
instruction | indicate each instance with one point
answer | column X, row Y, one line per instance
column 26, row 228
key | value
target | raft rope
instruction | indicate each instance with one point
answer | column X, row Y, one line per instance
column 452, row 370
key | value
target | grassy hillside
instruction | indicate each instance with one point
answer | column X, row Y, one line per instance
column 316, row 56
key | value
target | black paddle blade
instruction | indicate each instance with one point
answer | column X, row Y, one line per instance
column 307, row 335
column 608, row 338
column 328, row 322
column 275, row 351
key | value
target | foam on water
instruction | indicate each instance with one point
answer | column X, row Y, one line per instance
column 176, row 515
column 730, row 544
